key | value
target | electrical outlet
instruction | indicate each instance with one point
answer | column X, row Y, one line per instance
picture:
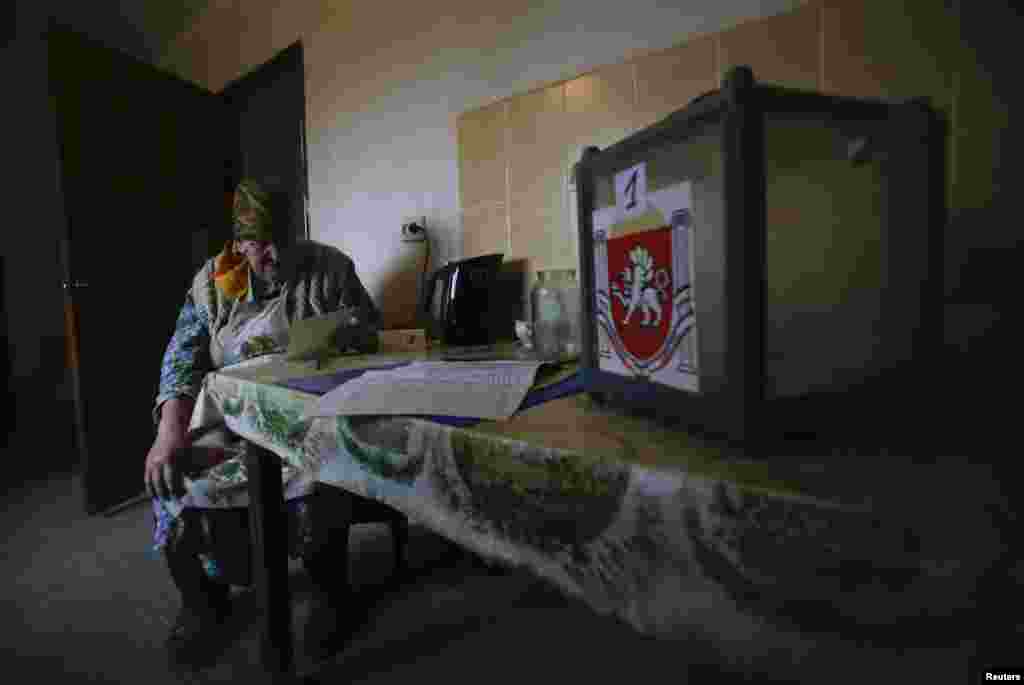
column 414, row 231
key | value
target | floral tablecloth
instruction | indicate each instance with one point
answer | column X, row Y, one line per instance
column 673, row 535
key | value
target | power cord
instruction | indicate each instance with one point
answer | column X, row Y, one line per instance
column 426, row 261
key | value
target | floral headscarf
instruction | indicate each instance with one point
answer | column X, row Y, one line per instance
column 253, row 212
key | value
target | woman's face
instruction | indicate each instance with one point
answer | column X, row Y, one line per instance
column 263, row 256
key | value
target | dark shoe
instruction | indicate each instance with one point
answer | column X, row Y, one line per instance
column 194, row 639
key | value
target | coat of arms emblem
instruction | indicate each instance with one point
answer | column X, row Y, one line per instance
column 643, row 289
column 640, row 289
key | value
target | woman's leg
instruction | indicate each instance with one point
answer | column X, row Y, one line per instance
column 317, row 532
column 199, row 592
column 218, row 540
column 205, row 601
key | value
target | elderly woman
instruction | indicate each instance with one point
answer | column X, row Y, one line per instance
column 240, row 307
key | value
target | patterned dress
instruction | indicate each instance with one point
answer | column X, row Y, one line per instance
column 215, row 330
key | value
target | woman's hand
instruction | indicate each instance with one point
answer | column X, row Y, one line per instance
column 164, row 479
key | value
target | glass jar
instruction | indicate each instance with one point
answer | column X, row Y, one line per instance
column 555, row 303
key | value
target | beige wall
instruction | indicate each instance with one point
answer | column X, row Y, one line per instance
column 386, row 80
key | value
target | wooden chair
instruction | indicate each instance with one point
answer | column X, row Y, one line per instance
column 336, row 511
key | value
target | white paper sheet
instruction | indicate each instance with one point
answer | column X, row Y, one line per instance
column 486, row 390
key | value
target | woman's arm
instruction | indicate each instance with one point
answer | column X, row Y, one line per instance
column 346, row 291
column 186, row 360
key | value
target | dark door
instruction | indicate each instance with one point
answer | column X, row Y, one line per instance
column 5, row 361
column 269, row 109
column 142, row 163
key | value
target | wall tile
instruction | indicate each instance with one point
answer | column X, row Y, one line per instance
column 543, row 236
column 784, row 49
column 482, row 155
column 485, row 230
column 601, row 106
column 670, row 79
column 600, row 110
column 536, row 136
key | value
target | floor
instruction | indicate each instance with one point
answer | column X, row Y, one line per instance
column 84, row 601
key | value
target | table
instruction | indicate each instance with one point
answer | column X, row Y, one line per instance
column 672, row 534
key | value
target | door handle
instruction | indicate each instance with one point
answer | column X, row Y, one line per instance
column 73, row 285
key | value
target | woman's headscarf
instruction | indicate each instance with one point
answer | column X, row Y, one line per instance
column 255, row 212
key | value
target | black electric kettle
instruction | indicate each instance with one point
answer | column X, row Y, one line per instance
column 457, row 301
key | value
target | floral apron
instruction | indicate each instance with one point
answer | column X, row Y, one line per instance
column 212, row 516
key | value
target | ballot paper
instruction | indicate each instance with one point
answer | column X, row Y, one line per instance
column 486, row 390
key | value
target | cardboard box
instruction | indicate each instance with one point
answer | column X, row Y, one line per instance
column 404, row 340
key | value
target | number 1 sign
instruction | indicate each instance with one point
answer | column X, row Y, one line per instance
column 631, row 191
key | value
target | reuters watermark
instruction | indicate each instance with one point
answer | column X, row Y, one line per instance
column 1001, row 675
